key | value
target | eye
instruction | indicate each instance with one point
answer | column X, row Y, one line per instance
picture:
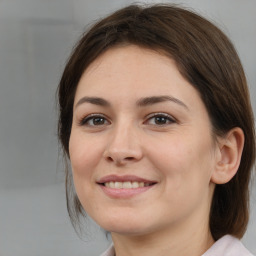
column 94, row 120
column 160, row 119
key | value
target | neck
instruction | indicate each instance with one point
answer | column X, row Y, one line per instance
column 179, row 241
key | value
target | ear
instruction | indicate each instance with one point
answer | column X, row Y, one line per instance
column 230, row 148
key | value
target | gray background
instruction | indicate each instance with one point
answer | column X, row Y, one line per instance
column 36, row 37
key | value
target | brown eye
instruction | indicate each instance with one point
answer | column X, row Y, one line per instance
column 160, row 119
column 98, row 121
column 94, row 120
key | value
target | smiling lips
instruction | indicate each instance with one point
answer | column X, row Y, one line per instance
column 124, row 186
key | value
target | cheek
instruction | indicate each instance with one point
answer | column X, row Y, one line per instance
column 84, row 157
column 84, row 154
column 183, row 159
column 170, row 155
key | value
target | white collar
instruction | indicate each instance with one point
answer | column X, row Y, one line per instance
column 110, row 251
column 225, row 246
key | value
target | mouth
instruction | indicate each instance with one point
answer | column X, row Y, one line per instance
column 124, row 186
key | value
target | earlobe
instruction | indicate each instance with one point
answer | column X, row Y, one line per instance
column 230, row 148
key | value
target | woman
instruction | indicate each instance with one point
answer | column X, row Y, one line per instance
column 156, row 121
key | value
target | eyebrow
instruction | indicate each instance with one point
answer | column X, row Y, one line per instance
column 93, row 100
column 158, row 99
column 143, row 102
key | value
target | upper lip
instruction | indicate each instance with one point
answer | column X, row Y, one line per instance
column 123, row 178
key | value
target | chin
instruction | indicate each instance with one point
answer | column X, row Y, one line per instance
column 124, row 225
column 129, row 230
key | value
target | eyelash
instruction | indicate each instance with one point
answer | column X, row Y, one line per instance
column 85, row 121
column 165, row 117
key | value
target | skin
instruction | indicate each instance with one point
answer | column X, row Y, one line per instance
column 179, row 154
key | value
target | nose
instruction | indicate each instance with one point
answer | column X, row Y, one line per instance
column 124, row 146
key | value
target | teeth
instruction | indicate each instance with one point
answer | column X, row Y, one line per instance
column 126, row 184
column 135, row 184
column 141, row 184
column 117, row 185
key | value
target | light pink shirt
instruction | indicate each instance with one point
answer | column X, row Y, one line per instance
column 226, row 246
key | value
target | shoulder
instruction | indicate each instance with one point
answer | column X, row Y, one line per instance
column 228, row 246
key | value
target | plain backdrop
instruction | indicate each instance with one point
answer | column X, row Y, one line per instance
column 36, row 37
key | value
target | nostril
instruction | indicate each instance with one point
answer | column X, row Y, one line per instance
column 119, row 160
column 110, row 159
column 129, row 158
column 121, row 157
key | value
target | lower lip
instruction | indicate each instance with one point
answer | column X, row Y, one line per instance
column 124, row 193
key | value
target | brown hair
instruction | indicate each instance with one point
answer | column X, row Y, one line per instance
column 207, row 59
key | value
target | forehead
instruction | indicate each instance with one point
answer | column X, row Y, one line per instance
column 132, row 67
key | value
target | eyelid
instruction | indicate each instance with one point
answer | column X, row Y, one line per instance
column 160, row 114
column 170, row 117
column 82, row 121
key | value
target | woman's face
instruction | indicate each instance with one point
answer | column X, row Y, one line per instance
column 141, row 146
